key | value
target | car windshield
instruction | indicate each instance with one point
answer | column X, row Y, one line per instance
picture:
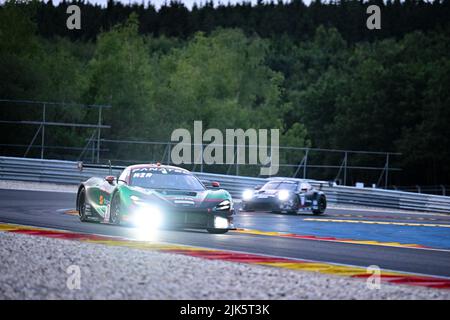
column 161, row 178
column 280, row 185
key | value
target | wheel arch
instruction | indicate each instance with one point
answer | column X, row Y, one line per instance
column 322, row 194
column 80, row 187
column 113, row 194
column 116, row 193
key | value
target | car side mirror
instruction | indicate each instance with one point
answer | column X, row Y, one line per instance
column 215, row 184
column 110, row 179
column 257, row 187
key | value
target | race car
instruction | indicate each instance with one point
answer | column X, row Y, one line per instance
column 284, row 195
column 156, row 196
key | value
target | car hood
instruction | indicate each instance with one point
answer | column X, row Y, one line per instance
column 180, row 198
column 268, row 192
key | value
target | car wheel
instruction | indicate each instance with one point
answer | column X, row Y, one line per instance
column 322, row 205
column 82, row 205
column 114, row 212
column 217, row 231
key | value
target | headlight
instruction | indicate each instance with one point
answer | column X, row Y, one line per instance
column 224, row 205
column 147, row 217
column 247, row 195
column 138, row 201
column 220, row 223
column 283, row 195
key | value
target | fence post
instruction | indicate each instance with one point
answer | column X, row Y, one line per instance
column 32, row 141
column 43, row 131
column 98, row 132
column 305, row 164
column 201, row 159
column 93, row 151
column 169, row 154
column 237, row 160
column 387, row 171
column 345, row 168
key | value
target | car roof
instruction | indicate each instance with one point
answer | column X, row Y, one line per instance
column 155, row 165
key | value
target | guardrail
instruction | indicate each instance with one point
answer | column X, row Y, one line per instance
column 68, row 172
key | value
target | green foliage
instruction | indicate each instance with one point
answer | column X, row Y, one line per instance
column 268, row 19
column 387, row 95
column 218, row 76
column 119, row 74
column 324, row 90
column 19, row 48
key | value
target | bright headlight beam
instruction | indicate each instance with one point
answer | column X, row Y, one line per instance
column 220, row 222
column 283, row 195
column 247, row 195
column 135, row 198
column 147, row 217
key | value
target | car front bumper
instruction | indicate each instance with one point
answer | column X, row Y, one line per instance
column 186, row 218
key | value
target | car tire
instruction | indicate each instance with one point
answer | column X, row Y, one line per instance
column 81, row 205
column 114, row 210
column 217, row 231
column 322, row 204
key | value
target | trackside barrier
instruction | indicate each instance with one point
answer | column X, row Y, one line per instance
column 68, row 172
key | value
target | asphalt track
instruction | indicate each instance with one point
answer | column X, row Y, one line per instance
column 378, row 227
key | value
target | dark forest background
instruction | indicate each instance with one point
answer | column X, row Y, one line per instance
column 315, row 72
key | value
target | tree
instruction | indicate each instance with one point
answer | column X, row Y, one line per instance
column 119, row 75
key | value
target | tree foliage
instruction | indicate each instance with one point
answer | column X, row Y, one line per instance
column 311, row 71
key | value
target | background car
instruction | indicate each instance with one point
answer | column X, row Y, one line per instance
column 283, row 195
column 155, row 195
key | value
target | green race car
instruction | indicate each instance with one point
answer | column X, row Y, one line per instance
column 155, row 196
